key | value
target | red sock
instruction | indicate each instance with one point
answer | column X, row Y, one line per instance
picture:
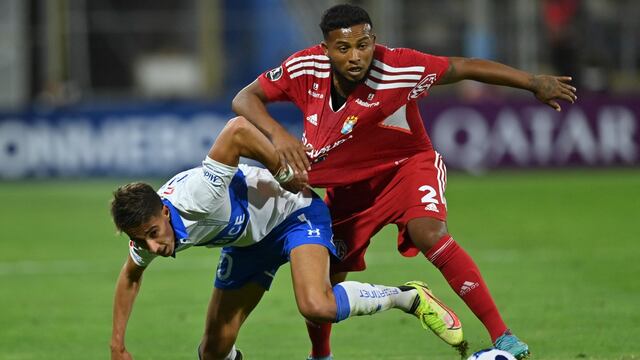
column 320, row 336
column 464, row 277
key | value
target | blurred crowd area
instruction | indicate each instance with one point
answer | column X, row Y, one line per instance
column 61, row 52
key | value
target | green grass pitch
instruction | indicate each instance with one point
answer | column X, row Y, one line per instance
column 559, row 251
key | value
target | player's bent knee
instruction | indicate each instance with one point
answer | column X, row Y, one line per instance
column 316, row 310
column 426, row 232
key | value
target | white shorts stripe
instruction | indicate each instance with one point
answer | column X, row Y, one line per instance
column 444, row 181
column 442, row 177
column 436, row 164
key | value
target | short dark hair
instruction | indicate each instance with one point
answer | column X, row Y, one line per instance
column 133, row 205
column 343, row 16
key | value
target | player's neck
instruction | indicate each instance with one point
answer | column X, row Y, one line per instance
column 343, row 86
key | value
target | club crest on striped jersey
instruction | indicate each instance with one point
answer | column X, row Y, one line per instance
column 274, row 74
column 348, row 124
column 422, row 86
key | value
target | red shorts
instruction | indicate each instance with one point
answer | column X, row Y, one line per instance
column 414, row 189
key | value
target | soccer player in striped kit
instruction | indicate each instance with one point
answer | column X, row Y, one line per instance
column 364, row 141
column 260, row 225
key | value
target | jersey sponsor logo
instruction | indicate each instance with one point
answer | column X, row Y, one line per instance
column 274, row 74
column 313, row 119
column 366, row 104
column 315, row 94
column 349, row 124
column 320, row 154
column 316, row 86
column 214, row 179
column 370, row 96
column 422, row 86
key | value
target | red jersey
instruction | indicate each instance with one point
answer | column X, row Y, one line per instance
column 378, row 127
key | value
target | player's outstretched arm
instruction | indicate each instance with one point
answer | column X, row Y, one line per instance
column 127, row 289
column 250, row 103
column 546, row 88
column 241, row 138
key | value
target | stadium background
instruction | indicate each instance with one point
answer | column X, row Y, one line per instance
column 97, row 93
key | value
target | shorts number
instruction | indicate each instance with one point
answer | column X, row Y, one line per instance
column 224, row 266
column 430, row 196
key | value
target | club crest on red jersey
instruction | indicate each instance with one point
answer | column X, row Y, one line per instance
column 348, row 125
column 422, row 86
column 274, row 74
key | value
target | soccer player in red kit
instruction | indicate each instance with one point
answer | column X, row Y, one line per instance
column 364, row 140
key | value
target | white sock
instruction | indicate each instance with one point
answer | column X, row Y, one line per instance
column 355, row 298
column 232, row 354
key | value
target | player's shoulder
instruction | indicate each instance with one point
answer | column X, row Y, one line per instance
column 312, row 51
column 311, row 60
column 399, row 57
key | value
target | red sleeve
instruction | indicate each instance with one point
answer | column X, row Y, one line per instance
column 434, row 68
column 276, row 84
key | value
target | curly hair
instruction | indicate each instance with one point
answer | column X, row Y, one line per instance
column 343, row 16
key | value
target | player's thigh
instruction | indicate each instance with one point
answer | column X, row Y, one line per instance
column 310, row 270
column 228, row 309
column 423, row 208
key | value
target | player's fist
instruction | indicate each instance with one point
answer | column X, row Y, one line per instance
column 290, row 151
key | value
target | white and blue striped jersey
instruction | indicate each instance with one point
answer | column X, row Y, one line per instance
column 219, row 205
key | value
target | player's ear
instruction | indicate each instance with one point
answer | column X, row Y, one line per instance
column 325, row 48
column 165, row 211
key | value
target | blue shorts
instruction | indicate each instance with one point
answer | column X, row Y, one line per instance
column 259, row 262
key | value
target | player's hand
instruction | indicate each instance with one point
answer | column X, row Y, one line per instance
column 291, row 152
column 298, row 183
column 549, row 89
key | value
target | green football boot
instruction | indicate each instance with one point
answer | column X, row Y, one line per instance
column 437, row 317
